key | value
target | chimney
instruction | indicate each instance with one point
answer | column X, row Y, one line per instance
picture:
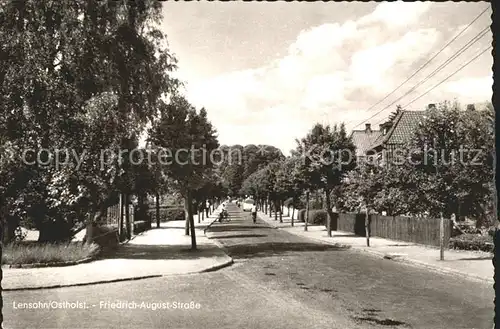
column 368, row 128
column 471, row 107
column 431, row 107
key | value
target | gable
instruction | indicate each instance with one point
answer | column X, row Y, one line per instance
column 363, row 140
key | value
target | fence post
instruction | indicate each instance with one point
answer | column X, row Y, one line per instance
column 127, row 216
column 120, row 217
column 307, row 211
column 441, row 237
column 367, row 227
column 157, row 204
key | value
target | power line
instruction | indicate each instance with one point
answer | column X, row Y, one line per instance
column 444, row 80
column 452, row 58
column 424, row 65
column 438, row 69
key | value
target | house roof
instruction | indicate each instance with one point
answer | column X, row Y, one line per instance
column 363, row 140
column 402, row 130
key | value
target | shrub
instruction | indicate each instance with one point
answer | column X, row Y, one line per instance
column 317, row 217
column 105, row 236
column 167, row 213
column 141, row 226
column 29, row 253
column 472, row 242
column 301, row 215
column 173, row 214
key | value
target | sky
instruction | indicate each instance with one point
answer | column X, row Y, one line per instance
column 267, row 72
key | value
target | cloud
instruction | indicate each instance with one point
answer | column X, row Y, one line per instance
column 474, row 89
column 331, row 72
column 396, row 14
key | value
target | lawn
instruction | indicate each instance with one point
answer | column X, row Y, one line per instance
column 33, row 252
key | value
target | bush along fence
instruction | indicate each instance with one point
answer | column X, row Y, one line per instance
column 167, row 213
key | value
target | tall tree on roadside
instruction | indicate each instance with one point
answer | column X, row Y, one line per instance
column 184, row 137
column 328, row 155
column 454, row 149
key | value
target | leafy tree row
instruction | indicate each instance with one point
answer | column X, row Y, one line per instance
column 89, row 77
column 429, row 178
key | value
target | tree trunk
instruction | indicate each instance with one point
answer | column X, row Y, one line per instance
column 288, row 211
column 89, row 232
column 293, row 213
column 281, row 211
column 157, row 210
column 270, row 207
column 186, row 213
column 276, row 209
column 328, row 212
column 306, row 219
column 367, row 226
column 191, row 220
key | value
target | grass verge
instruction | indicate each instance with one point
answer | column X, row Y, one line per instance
column 35, row 253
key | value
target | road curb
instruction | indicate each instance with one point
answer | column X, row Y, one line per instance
column 447, row 271
column 212, row 268
column 219, row 267
column 222, row 247
column 84, row 283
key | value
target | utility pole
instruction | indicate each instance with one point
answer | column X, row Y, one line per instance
column 441, row 219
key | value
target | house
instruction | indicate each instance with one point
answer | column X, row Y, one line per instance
column 363, row 139
column 396, row 132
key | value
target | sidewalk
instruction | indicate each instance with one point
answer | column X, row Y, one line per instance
column 469, row 264
column 154, row 253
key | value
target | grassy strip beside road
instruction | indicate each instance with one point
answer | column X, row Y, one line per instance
column 35, row 253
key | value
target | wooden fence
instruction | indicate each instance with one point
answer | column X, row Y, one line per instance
column 409, row 229
column 113, row 215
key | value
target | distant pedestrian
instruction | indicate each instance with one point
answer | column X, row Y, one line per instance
column 254, row 213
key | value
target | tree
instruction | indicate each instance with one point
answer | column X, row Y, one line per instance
column 57, row 58
column 454, row 149
column 364, row 184
column 327, row 154
column 289, row 183
column 185, row 137
column 240, row 162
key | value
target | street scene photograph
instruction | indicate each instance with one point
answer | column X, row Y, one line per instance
column 257, row 165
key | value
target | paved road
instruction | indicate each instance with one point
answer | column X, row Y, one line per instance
column 278, row 281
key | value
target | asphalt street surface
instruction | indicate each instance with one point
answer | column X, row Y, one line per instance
column 278, row 280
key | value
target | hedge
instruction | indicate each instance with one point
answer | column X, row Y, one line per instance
column 105, row 236
column 168, row 213
column 317, row 217
column 301, row 215
column 141, row 226
column 472, row 242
